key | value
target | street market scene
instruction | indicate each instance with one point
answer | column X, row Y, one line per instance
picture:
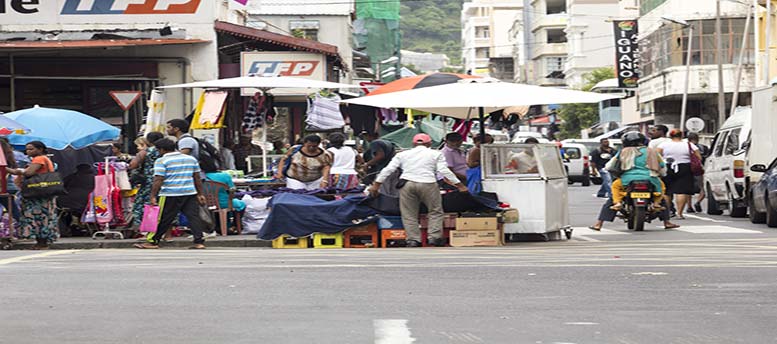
column 388, row 171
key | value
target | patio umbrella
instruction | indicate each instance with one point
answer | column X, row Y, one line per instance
column 9, row 126
column 462, row 98
column 421, row 81
column 60, row 129
column 262, row 82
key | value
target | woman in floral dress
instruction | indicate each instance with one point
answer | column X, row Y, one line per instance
column 145, row 162
column 39, row 215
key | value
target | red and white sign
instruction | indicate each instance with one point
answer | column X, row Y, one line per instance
column 291, row 64
column 125, row 99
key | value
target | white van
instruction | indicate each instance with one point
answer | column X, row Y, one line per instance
column 521, row 136
column 725, row 171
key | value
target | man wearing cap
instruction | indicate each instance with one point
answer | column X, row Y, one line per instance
column 420, row 167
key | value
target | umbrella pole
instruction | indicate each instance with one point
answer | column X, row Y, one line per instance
column 481, row 116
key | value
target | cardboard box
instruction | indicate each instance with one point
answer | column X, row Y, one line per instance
column 477, row 223
column 465, row 238
column 509, row 216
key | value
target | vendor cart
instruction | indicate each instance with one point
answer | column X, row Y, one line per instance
column 530, row 178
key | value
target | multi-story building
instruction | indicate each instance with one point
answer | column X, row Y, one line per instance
column 487, row 44
column 328, row 23
column 425, row 62
column 589, row 37
column 663, row 49
column 548, row 44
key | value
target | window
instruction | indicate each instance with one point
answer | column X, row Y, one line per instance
column 720, row 140
column 307, row 29
column 571, row 153
column 732, row 144
column 554, row 64
column 611, row 103
column 556, row 36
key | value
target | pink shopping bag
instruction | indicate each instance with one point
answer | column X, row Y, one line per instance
column 150, row 218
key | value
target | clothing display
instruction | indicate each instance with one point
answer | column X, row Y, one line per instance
column 260, row 110
column 155, row 117
column 324, row 112
column 362, row 118
column 210, row 111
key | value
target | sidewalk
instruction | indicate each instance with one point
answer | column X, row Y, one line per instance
column 81, row 243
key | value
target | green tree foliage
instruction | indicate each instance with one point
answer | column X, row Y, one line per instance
column 432, row 26
column 579, row 116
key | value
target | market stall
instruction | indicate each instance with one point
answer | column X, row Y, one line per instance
column 531, row 178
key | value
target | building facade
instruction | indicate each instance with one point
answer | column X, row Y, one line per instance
column 589, row 37
column 487, row 42
column 425, row 62
column 663, row 50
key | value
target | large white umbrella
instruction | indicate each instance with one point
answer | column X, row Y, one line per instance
column 469, row 96
column 465, row 97
column 262, row 82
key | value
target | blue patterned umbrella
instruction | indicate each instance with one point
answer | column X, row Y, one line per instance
column 59, row 129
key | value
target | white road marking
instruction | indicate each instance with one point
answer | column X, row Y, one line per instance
column 716, row 230
column 392, row 331
column 589, row 232
column 648, row 273
column 696, row 217
column 581, row 323
column 33, row 256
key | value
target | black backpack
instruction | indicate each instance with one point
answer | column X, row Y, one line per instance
column 209, row 157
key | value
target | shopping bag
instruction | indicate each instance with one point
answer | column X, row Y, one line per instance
column 206, row 217
column 123, row 181
column 150, row 218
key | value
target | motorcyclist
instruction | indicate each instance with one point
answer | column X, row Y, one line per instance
column 637, row 162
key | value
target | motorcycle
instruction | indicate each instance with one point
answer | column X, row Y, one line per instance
column 638, row 205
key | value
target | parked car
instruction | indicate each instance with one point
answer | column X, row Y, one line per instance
column 521, row 136
column 499, row 136
column 576, row 160
column 763, row 195
column 725, row 171
column 591, row 145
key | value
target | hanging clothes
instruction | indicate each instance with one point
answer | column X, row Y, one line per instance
column 261, row 109
column 388, row 115
column 324, row 112
column 155, row 117
column 362, row 118
column 210, row 111
column 462, row 127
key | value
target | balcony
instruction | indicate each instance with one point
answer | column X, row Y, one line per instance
column 549, row 49
column 479, row 21
column 550, row 20
column 550, row 82
column 482, row 42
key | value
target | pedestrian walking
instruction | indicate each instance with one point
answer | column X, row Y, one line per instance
column 342, row 175
column 185, row 143
column 658, row 136
column 418, row 185
column 144, row 177
column 679, row 180
column 177, row 188
column 39, row 215
column 704, row 151
column 308, row 165
column 599, row 159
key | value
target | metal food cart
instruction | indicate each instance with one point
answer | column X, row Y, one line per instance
column 532, row 179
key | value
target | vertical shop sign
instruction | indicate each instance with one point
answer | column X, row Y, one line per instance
column 626, row 53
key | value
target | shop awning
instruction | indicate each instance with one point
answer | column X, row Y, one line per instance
column 291, row 42
column 95, row 43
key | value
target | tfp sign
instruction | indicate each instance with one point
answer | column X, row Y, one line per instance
column 292, row 64
column 626, row 53
column 20, row 12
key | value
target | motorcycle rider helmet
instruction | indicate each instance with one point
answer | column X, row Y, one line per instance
column 633, row 139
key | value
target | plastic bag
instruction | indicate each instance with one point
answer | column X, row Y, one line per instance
column 206, row 217
column 123, row 181
column 150, row 219
column 255, row 214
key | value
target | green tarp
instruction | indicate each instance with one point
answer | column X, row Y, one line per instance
column 384, row 9
column 435, row 128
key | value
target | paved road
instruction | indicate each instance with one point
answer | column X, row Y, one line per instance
column 654, row 287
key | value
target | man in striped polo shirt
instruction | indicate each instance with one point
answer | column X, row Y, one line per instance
column 177, row 189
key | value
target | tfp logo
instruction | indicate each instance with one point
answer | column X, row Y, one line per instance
column 290, row 68
column 130, row 7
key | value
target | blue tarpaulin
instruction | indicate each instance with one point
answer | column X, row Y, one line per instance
column 302, row 215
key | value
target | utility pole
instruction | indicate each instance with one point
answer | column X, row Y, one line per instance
column 719, row 58
column 735, row 97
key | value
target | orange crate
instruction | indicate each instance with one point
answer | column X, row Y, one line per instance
column 362, row 237
column 392, row 238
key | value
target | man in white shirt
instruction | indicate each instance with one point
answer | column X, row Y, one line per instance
column 658, row 136
column 420, row 166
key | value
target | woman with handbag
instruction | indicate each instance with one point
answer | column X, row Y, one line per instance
column 684, row 162
column 143, row 178
column 39, row 213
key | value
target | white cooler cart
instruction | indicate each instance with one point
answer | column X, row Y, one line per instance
column 539, row 193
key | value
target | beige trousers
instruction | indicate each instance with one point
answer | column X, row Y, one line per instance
column 411, row 196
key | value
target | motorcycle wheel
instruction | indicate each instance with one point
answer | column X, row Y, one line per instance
column 630, row 220
column 638, row 218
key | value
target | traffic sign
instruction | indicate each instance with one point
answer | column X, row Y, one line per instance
column 694, row 124
column 125, row 99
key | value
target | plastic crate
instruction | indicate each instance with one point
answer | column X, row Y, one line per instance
column 362, row 237
column 393, row 238
column 285, row 241
column 324, row 240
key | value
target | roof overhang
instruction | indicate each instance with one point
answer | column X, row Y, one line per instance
column 10, row 46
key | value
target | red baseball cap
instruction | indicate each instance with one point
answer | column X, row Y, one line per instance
column 422, row 138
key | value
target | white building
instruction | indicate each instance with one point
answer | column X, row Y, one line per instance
column 590, row 41
column 324, row 21
column 487, row 43
column 548, row 42
column 663, row 54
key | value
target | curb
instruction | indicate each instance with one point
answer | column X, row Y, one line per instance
column 126, row 244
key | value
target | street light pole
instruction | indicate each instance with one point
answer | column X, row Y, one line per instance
column 687, row 78
column 740, row 63
column 719, row 58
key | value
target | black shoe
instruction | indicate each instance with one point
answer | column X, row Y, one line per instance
column 437, row 242
column 413, row 243
column 697, row 206
column 690, row 210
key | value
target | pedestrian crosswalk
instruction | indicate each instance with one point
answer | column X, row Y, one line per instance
column 692, row 229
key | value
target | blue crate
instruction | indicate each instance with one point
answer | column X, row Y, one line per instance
column 390, row 222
